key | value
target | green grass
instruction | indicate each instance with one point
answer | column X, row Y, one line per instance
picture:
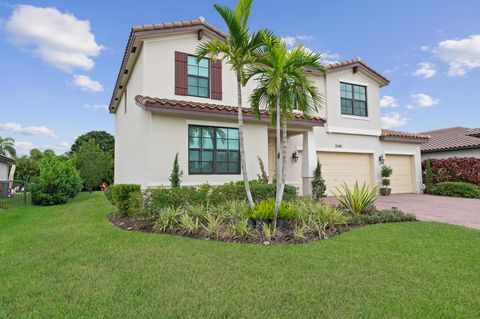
column 69, row 262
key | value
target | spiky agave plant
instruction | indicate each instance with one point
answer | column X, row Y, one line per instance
column 358, row 200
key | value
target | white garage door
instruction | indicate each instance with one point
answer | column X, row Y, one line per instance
column 339, row 168
column 402, row 176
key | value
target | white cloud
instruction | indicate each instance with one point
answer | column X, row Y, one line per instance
column 461, row 55
column 95, row 107
column 24, row 146
column 393, row 120
column 424, row 48
column 289, row 41
column 86, row 83
column 388, row 101
column 424, row 100
column 425, row 69
column 409, row 106
column 58, row 39
column 28, row 130
column 305, row 37
column 329, row 58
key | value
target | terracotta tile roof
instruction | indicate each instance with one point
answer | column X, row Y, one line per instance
column 354, row 62
column 404, row 135
column 214, row 108
column 452, row 138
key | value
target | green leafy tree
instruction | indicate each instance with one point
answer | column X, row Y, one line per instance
column 238, row 50
column 176, row 174
column 318, row 183
column 105, row 140
column 283, row 83
column 428, row 177
column 7, row 146
column 93, row 164
column 58, row 182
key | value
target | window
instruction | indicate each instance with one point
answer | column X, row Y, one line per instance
column 353, row 99
column 198, row 76
column 213, row 150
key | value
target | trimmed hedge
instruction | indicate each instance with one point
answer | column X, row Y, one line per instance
column 260, row 192
column 455, row 169
column 456, row 189
column 156, row 199
column 127, row 198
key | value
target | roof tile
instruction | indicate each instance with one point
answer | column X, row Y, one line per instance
column 452, row 138
column 406, row 135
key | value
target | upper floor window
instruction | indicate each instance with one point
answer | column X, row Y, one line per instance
column 198, row 77
column 353, row 99
column 213, row 150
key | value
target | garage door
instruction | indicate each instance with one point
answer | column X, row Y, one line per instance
column 338, row 168
column 402, row 176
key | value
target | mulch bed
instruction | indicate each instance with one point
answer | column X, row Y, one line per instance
column 284, row 236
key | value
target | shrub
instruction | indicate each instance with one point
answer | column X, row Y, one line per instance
column 240, row 229
column 189, row 224
column 386, row 216
column 108, row 194
column 326, row 217
column 357, row 201
column 126, row 198
column 428, row 177
column 456, row 189
column 212, row 224
column 168, row 218
column 93, row 164
column 318, row 184
column 264, row 210
column 176, row 173
column 269, row 231
column 455, row 169
column 58, row 182
column 386, row 173
column 260, row 192
column 159, row 198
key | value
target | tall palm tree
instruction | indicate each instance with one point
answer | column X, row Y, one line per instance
column 7, row 146
column 283, row 83
column 239, row 50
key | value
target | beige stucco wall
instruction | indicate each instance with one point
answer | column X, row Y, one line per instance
column 457, row 153
column 3, row 171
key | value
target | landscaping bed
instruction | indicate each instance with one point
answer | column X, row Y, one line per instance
column 198, row 213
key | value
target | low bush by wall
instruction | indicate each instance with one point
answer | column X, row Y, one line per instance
column 153, row 200
column 455, row 169
column 456, row 189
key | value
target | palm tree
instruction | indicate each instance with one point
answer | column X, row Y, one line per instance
column 7, row 146
column 239, row 50
column 283, row 83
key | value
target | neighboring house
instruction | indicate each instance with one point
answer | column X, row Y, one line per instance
column 5, row 164
column 452, row 142
column 165, row 102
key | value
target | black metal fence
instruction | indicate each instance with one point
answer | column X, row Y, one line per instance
column 13, row 192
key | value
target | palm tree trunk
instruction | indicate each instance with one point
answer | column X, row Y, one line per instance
column 279, row 164
column 243, row 162
column 284, row 159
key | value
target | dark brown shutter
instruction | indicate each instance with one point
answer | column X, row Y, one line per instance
column 216, row 79
column 181, row 77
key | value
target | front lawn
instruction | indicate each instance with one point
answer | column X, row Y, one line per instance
column 69, row 261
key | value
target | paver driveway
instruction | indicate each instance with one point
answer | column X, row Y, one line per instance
column 459, row 211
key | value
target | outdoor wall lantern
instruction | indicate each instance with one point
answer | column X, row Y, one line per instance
column 381, row 159
column 295, row 156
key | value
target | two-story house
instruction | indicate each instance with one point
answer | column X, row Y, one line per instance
column 166, row 103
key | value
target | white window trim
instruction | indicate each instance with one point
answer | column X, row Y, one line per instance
column 355, row 117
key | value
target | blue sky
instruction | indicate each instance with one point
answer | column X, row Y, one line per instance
column 59, row 64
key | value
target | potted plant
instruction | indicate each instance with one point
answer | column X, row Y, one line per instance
column 385, row 190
